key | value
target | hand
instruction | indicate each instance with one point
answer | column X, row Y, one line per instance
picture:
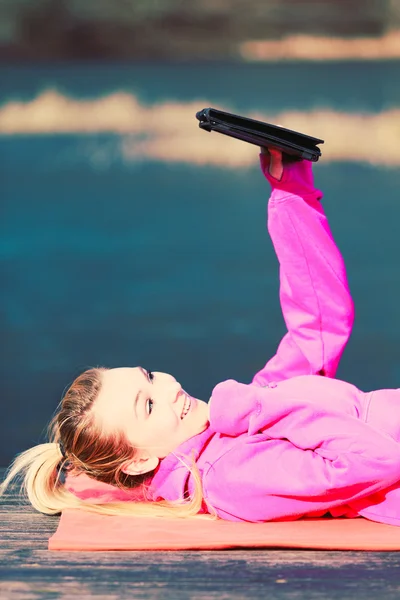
column 275, row 168
column 293, row 176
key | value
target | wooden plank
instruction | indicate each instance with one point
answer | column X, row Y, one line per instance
column 29, row 570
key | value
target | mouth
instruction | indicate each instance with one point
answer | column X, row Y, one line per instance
column 186, row 407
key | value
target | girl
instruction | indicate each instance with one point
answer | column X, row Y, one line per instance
column 294, row 442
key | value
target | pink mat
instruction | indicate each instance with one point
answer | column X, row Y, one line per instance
column 81, row 530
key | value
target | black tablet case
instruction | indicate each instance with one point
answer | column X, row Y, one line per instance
column 292, row 143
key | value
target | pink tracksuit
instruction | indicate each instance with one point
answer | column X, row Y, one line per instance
column 295, row 442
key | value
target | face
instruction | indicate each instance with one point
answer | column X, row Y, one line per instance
column 150, row 408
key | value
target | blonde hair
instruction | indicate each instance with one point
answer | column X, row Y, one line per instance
column 88, row 450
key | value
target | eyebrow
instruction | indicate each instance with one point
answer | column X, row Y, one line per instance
column 138, row 394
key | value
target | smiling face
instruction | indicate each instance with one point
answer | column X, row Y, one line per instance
column 151, row 410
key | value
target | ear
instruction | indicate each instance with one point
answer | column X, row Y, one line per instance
column 141, row 465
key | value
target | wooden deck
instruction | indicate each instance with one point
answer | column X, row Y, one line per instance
column 29, row 571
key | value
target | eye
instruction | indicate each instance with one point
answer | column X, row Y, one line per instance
column 150, row 375
column 149, row 406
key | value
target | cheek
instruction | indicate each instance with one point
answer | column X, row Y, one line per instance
column 165, row 423
column 166, row 434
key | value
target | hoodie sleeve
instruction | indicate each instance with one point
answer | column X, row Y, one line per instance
column 314, row 292
column 296, row 457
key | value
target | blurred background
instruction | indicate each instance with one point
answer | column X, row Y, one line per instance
column 131, row 237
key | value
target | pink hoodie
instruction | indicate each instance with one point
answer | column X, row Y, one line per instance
column 294, row 443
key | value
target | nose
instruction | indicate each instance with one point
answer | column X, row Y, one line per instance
column 176, row 391
column 169, row 386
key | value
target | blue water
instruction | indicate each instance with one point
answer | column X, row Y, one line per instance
column 351, row 86
column 167, row 266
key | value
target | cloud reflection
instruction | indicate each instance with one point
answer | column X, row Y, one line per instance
column 168, row 131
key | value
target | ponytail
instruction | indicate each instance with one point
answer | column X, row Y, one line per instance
column 39, row 470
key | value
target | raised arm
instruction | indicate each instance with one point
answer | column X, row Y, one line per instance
column 314, row 292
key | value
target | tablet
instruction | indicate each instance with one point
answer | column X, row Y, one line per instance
column 292, row 143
